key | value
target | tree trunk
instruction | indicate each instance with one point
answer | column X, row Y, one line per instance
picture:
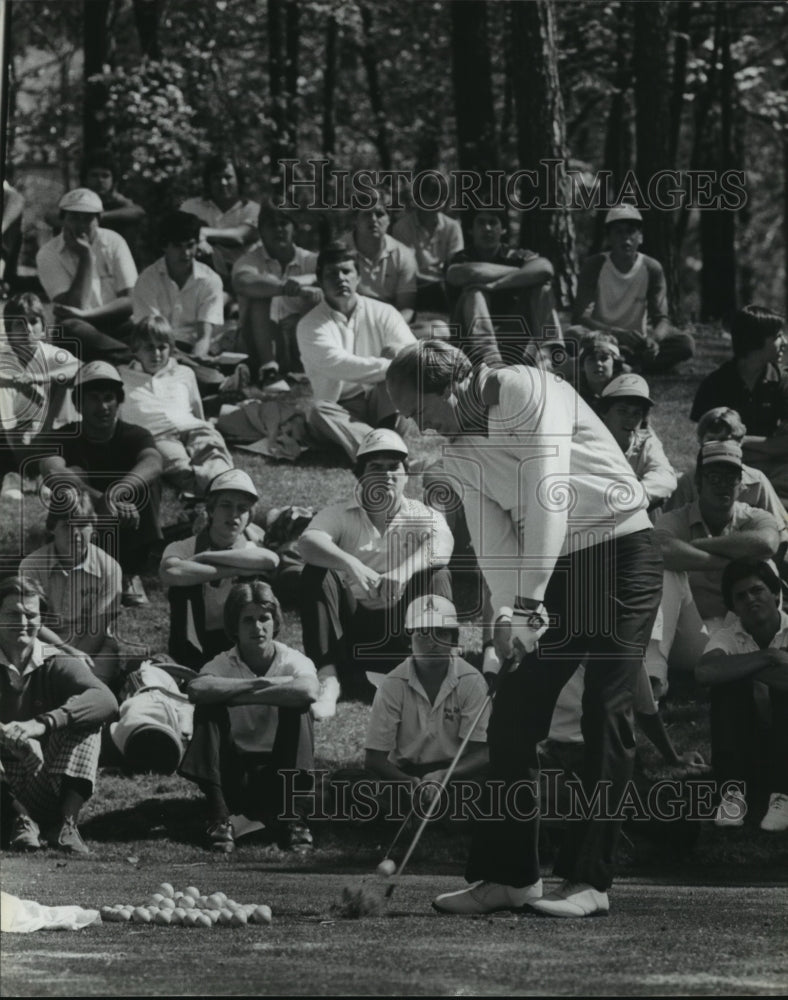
column 369, row 59
column 147, row 17
column 477, row 147
column 96, row 49
column 292, row 42
column 276, row 73
column 329, row 89
column 653, row 130
column 547, row 227
column 680, row 51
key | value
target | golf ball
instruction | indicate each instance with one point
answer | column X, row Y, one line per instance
column 166, row 890
column 386, row 867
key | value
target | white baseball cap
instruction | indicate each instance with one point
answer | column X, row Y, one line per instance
column 623, row 213
column 233, row 479
column 431, row 611
column 382, row 439
column 725, row 452
column 97, row 371
column 81, row 200
column 630, row 386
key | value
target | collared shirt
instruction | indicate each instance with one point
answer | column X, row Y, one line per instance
column 413, row 730
column 242, row 213
column 414, row 525
column 26, row 411
column 651, row 465
column 114, row 270
column 258, row 262
column 733, row 639
column 86, row 598
column 200, row 300
column 253, row 727
column 433, row 249
column 762, row 408
column 687, row 524
column 389, row 275
column 342, row 355
column 167, row 402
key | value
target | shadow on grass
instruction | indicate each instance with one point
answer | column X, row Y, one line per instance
column 181, row 820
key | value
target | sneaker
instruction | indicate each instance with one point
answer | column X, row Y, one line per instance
column 221, row 836
column 296, row 836
column 133, row 595
column 573, row 899
column 487, row 897
column 731, row 810
column 238, row 382
column 12, row 487
column 268, row 373
column 776, row 818
column 69, row 839
column 25, row 834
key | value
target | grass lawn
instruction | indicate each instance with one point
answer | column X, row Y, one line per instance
column 155, row 819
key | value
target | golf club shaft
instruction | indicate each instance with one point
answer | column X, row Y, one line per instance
column 403, row 825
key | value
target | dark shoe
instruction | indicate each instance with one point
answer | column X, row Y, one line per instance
column 133, row 595
column 68, row 838
column 295, row 836
column 25, row 835
column 221, row 836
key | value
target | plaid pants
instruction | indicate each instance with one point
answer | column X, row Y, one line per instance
column 34, row 769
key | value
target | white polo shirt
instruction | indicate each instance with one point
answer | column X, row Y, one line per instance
column 242, row 213
column 434, row 249
column 415, row 731
column 253, row 727
column 390, row 274
column 342, row 355
column 165, row 403
column 201, row 300
column 114, row 270
column 26, row 410
column 734, row 639
column 257, row 262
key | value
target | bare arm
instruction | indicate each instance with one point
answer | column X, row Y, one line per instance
column 282, row 692
column 769, row 665
column 536, row 271
column 759, row 543
column 680, row 555
column 206, row 567
column 378, row 762
column 475, row 756
column 236, row 236
column 319, row 549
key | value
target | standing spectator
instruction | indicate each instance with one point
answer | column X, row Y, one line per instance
column 251, row 722
column 161, row 395
column 750, row 757
column 346, row 344
column 51, row 712
column 80, row 583
column 754, row 385
column 367, row 558
column 88, row 272
column 228, row 217
column 199, row 571
column 117, row 465
column 542, row 482
column 623, row 292
column 121, row 214
column 386, row 267
column 275, row 285
column 501, row 297
column 623, row 408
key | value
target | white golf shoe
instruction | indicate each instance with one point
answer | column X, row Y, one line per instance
column 776, row 818
column 573, row 899
column 487, row 897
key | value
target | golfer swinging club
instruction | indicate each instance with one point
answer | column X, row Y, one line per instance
column 559, row 524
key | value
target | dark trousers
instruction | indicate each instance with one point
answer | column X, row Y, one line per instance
column 250, row 782
column 339, row 630
column 100, row 343
column 605, row 600
column 744, row 748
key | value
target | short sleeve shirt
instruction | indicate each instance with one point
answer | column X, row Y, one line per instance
column 200, row 300
column 108, row 461
column 26, row 410
column 258, row 261
column 253, row 727
column 433, row 249
column 390, row 275
column 114, row 270
column 501, row 303
column 415, row 731
column 762, row 408
column 733, row 639
column 242, row 213
column 165, row 403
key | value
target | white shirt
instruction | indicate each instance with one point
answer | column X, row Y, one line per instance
column 201, row 299
column 242, row 213
column 341, row 355
column 114, row 270
column 165, row 403
column 734, row 639
column 257, row 262
column 622, row 297
column 50, row 365
column 433, row 249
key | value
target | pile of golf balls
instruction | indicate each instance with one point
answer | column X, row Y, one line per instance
column 170, row 907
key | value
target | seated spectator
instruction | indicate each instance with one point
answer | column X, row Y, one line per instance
column 367, row 559
column 501, row 297
column 52, row 709
column 434, row 238
column 749, row 755
column 80, row 583
column 161, row 395
column 701, row 538
column 34, row 377
column 346, row 344
column 721, row 423
column 753, row 384
column 275, row 285
column 624, row 292
column 229, row 219
column 386, row 267
column 623, row 407
column 199, row 571
column 425, row 707
column 251, row 722
column 88, row 272
column 599, row 362
column 121, row 214
column 117, row 465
